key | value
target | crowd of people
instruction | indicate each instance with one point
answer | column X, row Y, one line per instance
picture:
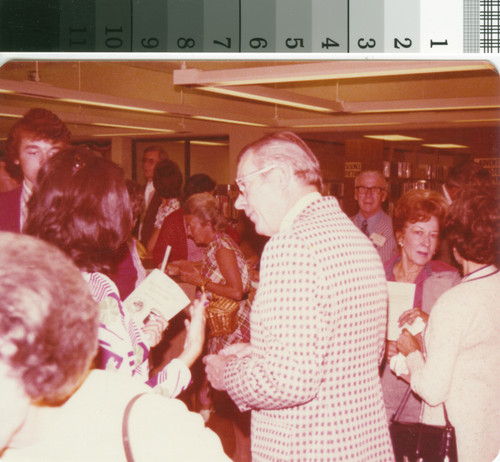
column 307, row 371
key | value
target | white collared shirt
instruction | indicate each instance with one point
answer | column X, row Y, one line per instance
column 149, row 190
column 25, row 197
column 299, row 206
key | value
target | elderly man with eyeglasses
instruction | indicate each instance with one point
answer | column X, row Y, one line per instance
column 310, row 374
column 370, row 191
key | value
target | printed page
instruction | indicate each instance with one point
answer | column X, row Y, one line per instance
column 401, row 295
column 157, row 292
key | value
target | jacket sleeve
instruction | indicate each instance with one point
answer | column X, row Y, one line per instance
column 285, row 368
column 431, row 378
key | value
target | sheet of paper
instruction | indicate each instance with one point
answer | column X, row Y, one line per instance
column 401, row 295
column 157, row 292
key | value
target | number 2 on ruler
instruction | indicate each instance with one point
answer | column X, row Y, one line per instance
column 398, row 43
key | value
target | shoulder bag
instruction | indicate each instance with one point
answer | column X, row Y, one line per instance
column 419, row 442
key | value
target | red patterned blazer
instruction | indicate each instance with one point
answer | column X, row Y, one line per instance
column 317, row 328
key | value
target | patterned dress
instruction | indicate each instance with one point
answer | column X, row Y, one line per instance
column 123, row 345
column 210, row 269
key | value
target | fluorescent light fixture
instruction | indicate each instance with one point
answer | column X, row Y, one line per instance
column 423, row 109
column 207, row 143
column 445, row 146
column 345, row 125
column 393, row 137
column 11, row 116
column 111, row 105
column 36, row 90
column 124, row 134
column 476, row 120
column 133, row 127
column 228, row 121
column 282, row 98
column 39, row 90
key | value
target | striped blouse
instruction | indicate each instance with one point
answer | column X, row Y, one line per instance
column 123, row 345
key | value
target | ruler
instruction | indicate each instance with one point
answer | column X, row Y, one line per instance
column 248, row 26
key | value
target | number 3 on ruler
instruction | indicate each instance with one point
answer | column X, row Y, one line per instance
column 366, row 44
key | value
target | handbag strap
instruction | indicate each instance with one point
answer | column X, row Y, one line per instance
column 403, row 402
column 448, row 423
column 125, row 432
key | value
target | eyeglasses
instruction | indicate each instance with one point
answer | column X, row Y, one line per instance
column 372, row 190
column 240, row 181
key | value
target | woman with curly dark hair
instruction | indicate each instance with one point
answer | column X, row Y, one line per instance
column 82, row 206
column 460, row 364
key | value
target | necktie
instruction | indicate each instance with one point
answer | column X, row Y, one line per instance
column 364, row 227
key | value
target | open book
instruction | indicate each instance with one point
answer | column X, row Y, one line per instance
column 157, row 292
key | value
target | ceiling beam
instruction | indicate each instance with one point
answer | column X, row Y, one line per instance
column 431, row 104
column 401, row 121
column 329, row 70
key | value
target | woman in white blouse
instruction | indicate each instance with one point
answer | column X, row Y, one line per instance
column 460, row 366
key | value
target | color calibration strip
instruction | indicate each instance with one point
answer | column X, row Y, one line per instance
column 242, row 26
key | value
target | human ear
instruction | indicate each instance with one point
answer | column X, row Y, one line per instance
column 283, row 174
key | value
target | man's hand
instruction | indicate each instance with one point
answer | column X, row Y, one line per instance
column 214, row 367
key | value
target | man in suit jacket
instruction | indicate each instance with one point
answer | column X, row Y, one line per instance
column 31, row 141
column 310, row 374
column 152, row 201
column 370, row 191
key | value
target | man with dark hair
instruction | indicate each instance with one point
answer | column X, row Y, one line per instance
column 31, row 141
column 198, row 183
